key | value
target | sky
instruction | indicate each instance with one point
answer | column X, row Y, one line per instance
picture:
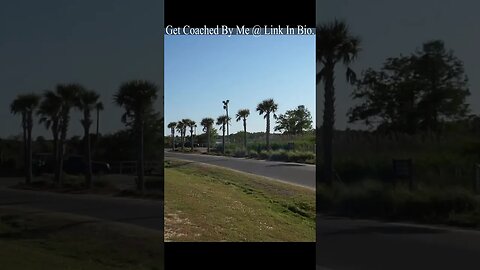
column 99, row 44
column 202, row 71
column 389, row 28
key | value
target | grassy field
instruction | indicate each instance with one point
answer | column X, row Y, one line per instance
column 424, row 204
column 210, row 203
column 30, row 239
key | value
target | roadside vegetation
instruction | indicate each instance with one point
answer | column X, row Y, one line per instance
column 414, row 111
column 293, row 142
column 210, row 203
column 54, row 108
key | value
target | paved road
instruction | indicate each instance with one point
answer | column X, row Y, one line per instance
column 295, row 173
column 344, row 244
column 145, row 213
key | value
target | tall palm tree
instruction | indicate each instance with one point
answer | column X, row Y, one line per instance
column 49, row 113
column 242, row 115
column 25, row 105
column 207, row 124
column 181, row 129
column 267, row 107
column 87, row 102
column 191, row 124
column 186, row 124
column 137, row 98
column 222, row 121
column 172, row 126
column 334, row 44
column 68, row 94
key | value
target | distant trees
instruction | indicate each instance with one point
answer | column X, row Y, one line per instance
column 86, row 102
column 335, row 44
column 137, row 98
column 267, row 107
column 207, row 124
column 68, row 94
column 413, row 92
column 25, row 105
column 243, row 115
column 295, row 121
column 222, row 121
column 181, row 128
column 191, row 124
column 49, row 113
column 172, row 126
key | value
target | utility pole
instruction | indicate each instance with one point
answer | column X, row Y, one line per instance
column 225, row 106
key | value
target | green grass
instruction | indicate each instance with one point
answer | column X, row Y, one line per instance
column 425, row 204
column 30, row 239
column 210, row 203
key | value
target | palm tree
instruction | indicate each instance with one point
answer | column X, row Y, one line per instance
column 98, row 107
column 186, row 124
column 334, row 44
column 87, row 102
column 172, row 126
column 267, row 107
column 25, row 105
column 49, row 113
column 242, row 115
column 207, row 124
column 222, row 121
column 137, row 98
column 191, row 124
column 181, row 129
column 68, row 94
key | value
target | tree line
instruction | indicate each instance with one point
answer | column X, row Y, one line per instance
column 295, row 121
column 53, row 109
column 409, row 94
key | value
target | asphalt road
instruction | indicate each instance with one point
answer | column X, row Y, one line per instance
column 145, row 213
column 344, row 244
column 294, row 173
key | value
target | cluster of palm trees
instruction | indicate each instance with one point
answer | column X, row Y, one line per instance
column 54, row 107
column 267, row 108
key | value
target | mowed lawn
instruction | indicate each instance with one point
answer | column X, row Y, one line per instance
column 211, row 203
column 32, row 239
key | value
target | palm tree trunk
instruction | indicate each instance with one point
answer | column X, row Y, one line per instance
column 140, row 161
column 25, row 146
column 173, row 139
column 182, row 135
column 208, row 139
column 245, row 134
column 95, row 143
column 328, row 123
column 191, row 138
column 55, row 152
column 59, row 168
column 88, row 154
column 268, row 132
column 29, row 148
column 223, row 140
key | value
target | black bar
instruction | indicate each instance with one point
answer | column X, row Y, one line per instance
column 211, row 13
column 239, row 256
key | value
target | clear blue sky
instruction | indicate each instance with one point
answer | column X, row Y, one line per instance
column 202, row 71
